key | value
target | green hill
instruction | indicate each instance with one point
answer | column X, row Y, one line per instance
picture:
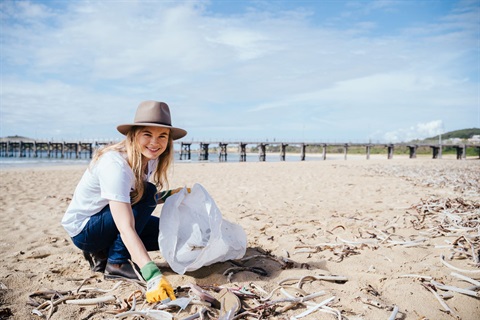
column 459, row 134
column 16, row 138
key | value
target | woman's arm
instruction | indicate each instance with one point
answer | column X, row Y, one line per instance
column 158, row 287
column 124, row 220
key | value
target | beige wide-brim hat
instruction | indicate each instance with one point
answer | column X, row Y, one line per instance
column 153, row 114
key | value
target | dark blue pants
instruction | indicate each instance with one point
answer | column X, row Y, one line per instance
column 101, row 234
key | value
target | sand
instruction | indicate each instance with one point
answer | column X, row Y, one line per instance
column 286, row 208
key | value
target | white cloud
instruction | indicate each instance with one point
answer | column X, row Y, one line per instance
column 419, row 131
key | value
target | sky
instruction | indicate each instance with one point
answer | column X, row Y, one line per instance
column 252, row 70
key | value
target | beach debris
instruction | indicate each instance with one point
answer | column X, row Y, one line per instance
column 465, row 278
column 300, row 280
column 148, row 314
column 338, row 249
column 285, row 263
column 252, row 300
column 394, row 313
column 446, row 218
column 468, row 292
column 416, row 276
column 5, row 313
column 445, row 306
column 92, row 301
column 79, row 297
column 457, row 218
column 231, row 271
column 372, row 302
column 203, row 295
column 312, row 309
column 458, row 179
column 442, row 259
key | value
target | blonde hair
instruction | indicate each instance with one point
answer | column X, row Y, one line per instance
column 134, row 157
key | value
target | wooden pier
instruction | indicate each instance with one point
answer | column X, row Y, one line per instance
column 39, row 149
column 262, row 147
column 78, row 150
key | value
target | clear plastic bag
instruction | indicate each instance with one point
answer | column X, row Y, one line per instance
column 193, row 233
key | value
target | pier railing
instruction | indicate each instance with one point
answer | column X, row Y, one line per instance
column 78, row 150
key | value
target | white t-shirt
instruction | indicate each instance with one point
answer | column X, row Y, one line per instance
column 110, row 178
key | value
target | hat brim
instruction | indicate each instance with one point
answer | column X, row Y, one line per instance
column 176, row 133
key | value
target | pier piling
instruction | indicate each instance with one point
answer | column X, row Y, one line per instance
column 222, row 154
column 203, row 152
column 185, row 153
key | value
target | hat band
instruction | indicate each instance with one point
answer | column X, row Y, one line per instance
column 160, row 123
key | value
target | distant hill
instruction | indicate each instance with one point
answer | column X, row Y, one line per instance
column 459, row 134
column 16, row 138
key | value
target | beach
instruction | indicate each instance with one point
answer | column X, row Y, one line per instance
column 389, row 229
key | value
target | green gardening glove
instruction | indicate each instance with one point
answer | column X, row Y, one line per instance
column 162, row 196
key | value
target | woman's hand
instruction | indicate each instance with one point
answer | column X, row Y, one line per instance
column 179, row 189
column 162, row 196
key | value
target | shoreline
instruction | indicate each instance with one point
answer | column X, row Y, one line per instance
column 12, row 162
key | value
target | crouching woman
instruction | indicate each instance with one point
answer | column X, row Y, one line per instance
column 110, row 216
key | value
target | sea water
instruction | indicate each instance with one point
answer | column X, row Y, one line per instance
column 15, row 162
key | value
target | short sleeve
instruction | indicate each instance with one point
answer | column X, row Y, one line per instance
column 115, row 177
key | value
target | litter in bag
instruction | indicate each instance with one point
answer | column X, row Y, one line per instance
column 193, row 233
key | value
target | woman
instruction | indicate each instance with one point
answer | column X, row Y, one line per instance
column 110, row 215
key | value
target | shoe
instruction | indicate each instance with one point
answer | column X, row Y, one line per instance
column 97, row 261
column 118, row 271
column 229, row 303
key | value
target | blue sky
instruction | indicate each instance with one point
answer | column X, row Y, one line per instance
column 332, row 71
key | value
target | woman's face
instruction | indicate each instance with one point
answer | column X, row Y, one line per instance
column 153, row 141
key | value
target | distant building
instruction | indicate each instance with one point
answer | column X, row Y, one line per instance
column 453, row 141
column 474, row 139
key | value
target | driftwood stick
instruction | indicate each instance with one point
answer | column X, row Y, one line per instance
column 48, row 304
column 456, row 289
column 257, row 287
column 442, row 302
column 412, row 243
column 289, row 295
column 316, row 307
column 93, row 289
column 86, row 302
column 83, row 283
column 371, row 241
column 319, row 277
column 442, row 259
column 415, row 276
column 52, row 309
column 333, row 311
column 465, row 278
column 394, row 313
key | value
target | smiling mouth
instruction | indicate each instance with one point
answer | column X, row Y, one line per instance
column 153, row 150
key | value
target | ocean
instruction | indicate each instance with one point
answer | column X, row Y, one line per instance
column 15, row 162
